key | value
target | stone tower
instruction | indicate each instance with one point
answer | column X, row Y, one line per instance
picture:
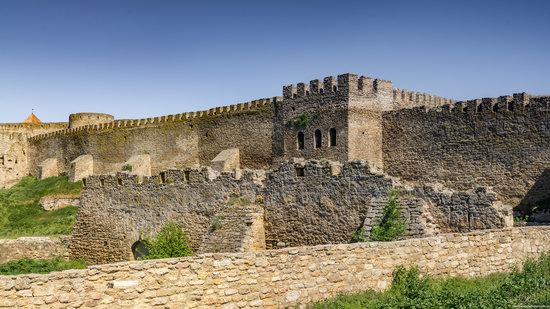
column 337, row 118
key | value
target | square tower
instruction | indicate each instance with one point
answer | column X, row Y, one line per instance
column 337, row 119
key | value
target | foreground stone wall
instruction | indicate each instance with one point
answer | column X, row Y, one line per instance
column 273, row 279
column 33, row 248
column 501, row 142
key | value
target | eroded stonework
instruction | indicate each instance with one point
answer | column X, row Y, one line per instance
column 459, row 166
column 300, row 203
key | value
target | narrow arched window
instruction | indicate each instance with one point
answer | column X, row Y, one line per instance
column 301, row 140
column 318, row 139
column 332, row 135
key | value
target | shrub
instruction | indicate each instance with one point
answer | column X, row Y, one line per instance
column 529, row 287
column 238, row 201
column 40, row 266
column 216, row 223
column 524, row 218
column 301, row 121
column 359, row 235
column 127, row 168
column 391, row 225
column 171, row 241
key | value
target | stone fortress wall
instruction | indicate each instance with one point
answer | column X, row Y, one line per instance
column 418, row 138
column 14, row 152
column 500, row 142
column 343, row 115
column 303, row 203
column 173, row 141
column 273, row 278
column 414, row 136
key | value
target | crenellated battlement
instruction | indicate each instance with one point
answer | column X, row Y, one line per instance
column 516, row 103
column 171, row 177
column 344, row 84
column 408, row 99
column 29, row 126
column 182, row 117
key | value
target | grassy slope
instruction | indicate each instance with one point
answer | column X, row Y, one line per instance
column 21, row 215
column 27, row 266
column 529, row 287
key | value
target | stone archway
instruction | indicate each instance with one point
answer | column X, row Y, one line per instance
column 139, row 250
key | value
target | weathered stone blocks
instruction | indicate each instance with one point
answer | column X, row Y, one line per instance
column 275, row 278
column 139, row 165
column 33, row 248
column 227, row 160
column 81, row 167
column 48, row 168
column 50, row 203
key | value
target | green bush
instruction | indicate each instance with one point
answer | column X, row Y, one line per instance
column 301, row 121
column 391, row 226
column 43, row 266
column 359, row 235
column 21, row 214
column 170, row 242
column 238, row 201
column 527, row 288
column 217, row 223
column 127, row 168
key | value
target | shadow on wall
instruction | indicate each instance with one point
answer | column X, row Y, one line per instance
column 536, row 203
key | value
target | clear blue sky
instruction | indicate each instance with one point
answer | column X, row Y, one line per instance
column 136, row 58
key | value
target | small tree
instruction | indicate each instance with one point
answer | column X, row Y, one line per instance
column 391, row 225
column 170, row 242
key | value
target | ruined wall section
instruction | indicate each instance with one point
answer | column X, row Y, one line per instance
column 239, row 227
column 311, row 203
column 499, row 142
column 118, row 210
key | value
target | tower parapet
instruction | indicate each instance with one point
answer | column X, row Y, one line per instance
column 344, row 84
column 84, row 119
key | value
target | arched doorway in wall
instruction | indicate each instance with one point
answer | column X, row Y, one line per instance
column 139, row 250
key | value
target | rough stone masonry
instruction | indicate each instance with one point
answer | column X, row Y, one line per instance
column 459, row 166
column 274, row 278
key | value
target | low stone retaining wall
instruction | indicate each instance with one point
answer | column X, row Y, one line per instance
column 33, row 247
column 273, row 278
column 50, row 203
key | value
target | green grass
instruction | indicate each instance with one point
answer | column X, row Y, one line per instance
column 529, row 287
column 21, row 214
column 28, row 266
